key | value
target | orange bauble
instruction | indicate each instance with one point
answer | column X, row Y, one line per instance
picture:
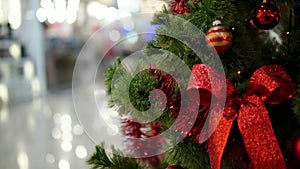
column 219, row 37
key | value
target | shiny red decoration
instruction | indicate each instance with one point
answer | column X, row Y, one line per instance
column 133, row 130
column 297, row 147
column 266, row 16
column 178, row 7
column 269, row 84
column 174, row 167
column 219, row 37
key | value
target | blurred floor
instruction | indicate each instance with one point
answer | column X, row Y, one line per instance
column 43, row 134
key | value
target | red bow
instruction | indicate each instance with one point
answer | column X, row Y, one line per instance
column 269, row 84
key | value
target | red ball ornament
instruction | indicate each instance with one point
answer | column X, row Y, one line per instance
column 266, row 16
column 174, row 167
column 297, row 147
column 219, row 37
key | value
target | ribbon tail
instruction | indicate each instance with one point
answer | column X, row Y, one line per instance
column 258, row 136
column 217, row 142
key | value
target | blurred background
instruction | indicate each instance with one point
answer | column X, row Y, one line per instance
column 40, row 41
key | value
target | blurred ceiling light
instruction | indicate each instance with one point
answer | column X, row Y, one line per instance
column 111, row 14
column 92, row 8
column 4, row 115
column 61, row 15
column 129, row 5
column 71, row 17
column 22, row 160
column 14, row 16
column 41, row 14
column 28, row 69
column 15, row 50
column 36, row 87
column 47, row 4
column 101, row 11
column 58, row 11
column 123, row 14
column 2, row 17
column 3, row 95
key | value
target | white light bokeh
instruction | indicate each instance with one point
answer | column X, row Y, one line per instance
column 111, row 14
column 66, row 146
column 50, row 158
column 57, row 118
column 81, row 152
column 101, row 15
column 67, row 136
column 129, row 5
column 4, row 97
column 129, row 25
column 15, row 50
column 28, row 69
column 77, row 130
column 56, row 133
column 4, row 115
column 65, row 127
column 71, row 17
column 46, row 4
column 66, row 119
column 58, row 11
column 93, row 8
column 114, row 35
column 123, row 14
column 14, row 16
column 36, row 88
column 22, row 160
column 132, row 37
column 63, row 164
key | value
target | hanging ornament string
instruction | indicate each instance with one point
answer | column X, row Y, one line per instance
column 269, row 84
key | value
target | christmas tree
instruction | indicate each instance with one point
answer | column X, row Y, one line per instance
column 228, row 98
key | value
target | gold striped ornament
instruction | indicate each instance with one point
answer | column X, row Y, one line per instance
column 219, row 37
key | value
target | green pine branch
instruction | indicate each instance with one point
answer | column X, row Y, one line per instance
column 101, row 160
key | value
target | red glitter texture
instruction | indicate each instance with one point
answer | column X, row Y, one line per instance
column 178, row 7
column 269, row 84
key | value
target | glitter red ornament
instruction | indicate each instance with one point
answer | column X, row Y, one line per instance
column 178, row 7
column 133, row 130
column 266, row 16
column 297, row 147
column 219, row 37
column 174, row 167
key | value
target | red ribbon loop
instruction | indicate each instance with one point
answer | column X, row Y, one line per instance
column 269, row 84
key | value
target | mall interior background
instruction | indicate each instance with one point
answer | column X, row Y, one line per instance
column 40, row 42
